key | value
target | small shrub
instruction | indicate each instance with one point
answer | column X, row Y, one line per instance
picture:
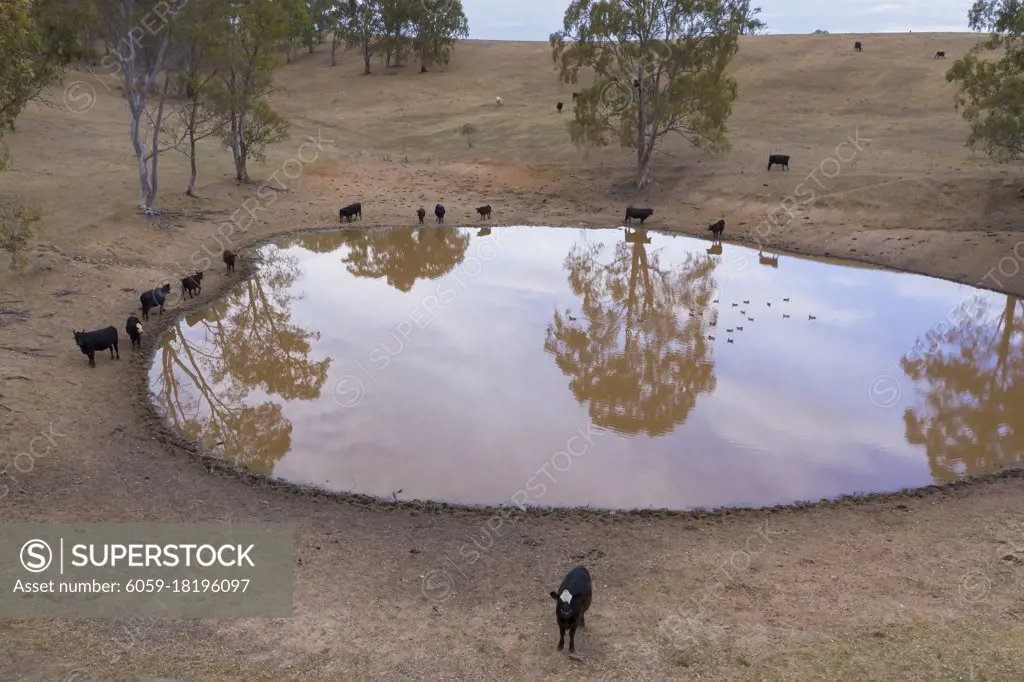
column 18, row 224
column 469, row 130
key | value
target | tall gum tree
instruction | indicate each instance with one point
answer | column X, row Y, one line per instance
column 359, row 24
column 140, row 41
column 254, row 32
column 200, row 42
column 658, row 68
column 990, row 96
column 439, row 23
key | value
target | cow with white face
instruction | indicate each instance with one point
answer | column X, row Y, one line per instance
column 572, row 601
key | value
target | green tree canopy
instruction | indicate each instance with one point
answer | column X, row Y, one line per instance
column 630, row 357
column 990, row 80
column 438, row 24
column 253, row 31
column 28, row 61
column 358, row 24
column 658, row 67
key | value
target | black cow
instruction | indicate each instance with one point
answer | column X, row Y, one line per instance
column 350, row 211
column 192, row 284
column 857, row 46
column 421, row 214
column 229, row 260
column 575, row 95
column 641, row 213
column 485, row 211
column 939, row 55
column 99, row 339
column 559, row 106
column 572, row 601
column 439, row 212
column 153, row 298
column 778, row 160
column 134, row 329
column 716, row 229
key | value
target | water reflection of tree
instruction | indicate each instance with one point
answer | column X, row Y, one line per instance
column 968, row 416
column 632, row 356
column 251, row 345
column 326, row 241
column 402, row 255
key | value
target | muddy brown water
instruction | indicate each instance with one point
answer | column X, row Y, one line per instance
column 612, row 368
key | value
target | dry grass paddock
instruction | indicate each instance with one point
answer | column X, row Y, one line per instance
column 871, row 588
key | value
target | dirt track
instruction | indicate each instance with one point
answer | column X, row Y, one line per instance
column 917, row 586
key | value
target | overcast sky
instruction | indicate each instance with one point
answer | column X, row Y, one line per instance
column 537, row 19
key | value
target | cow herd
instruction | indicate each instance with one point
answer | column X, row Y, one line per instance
column 91, row 342
column 859, row 47
column 348, row 213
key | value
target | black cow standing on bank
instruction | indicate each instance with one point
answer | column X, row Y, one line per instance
column 134, row 329
column 191, row 285
column 716, row 229
column 439, row 212
column 572, row 601
column 97, row 340
column 351, row 211
column 640, row 213
column 778, row 160
column 154, row 298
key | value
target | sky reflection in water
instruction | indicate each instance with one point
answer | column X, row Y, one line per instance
column 454, row 366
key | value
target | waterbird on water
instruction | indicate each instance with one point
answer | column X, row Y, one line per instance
column 728, row 330
column 740, row 328
column 710, row 338
column 750, row 319
column 811, row 317
column 746, row 301
column 735, row 305
column 729, row 340
column 784, row 315
column 768, row 304
column 786, row 300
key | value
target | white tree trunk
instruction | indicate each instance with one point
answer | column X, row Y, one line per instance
column 238, row 148
column 139, row 81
